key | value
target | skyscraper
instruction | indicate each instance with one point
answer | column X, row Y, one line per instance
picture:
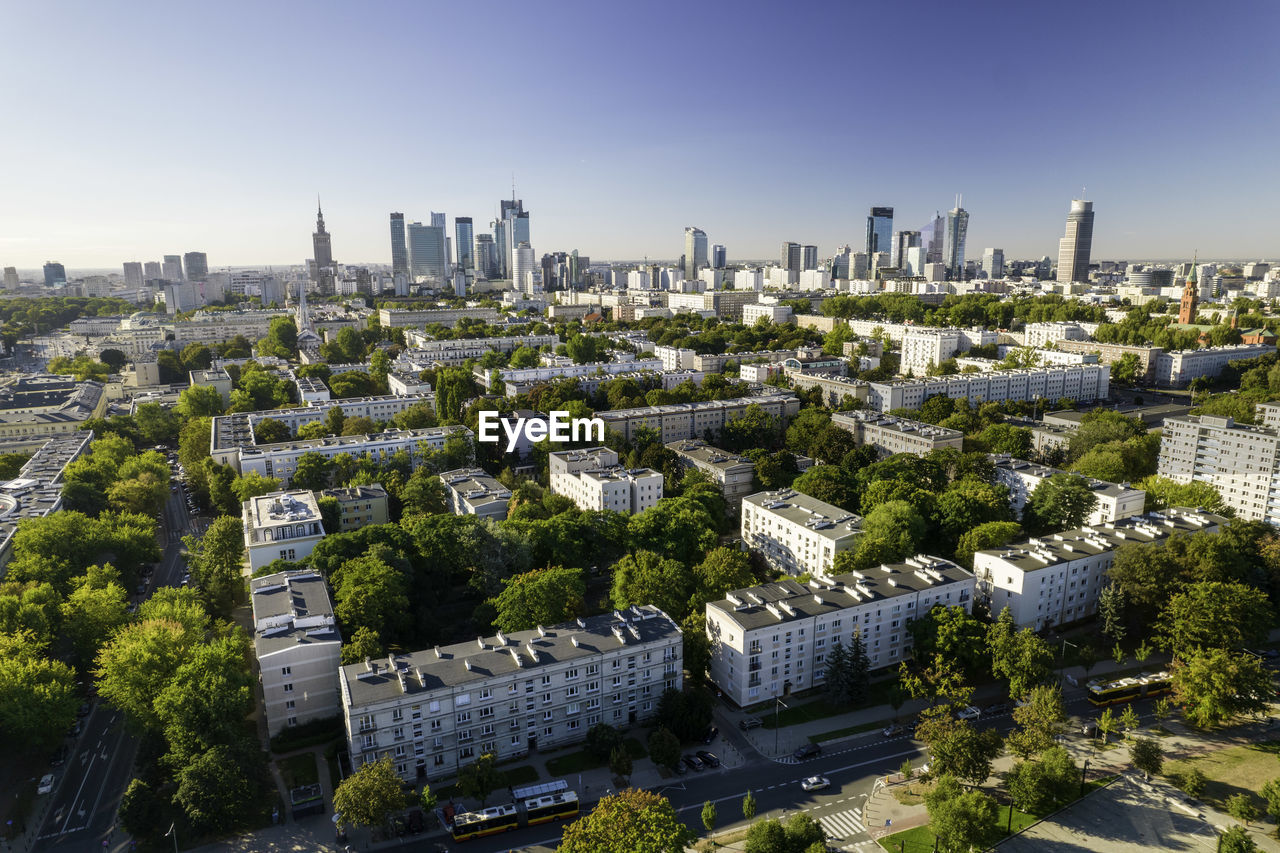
column 880, row 230
column 809, row 258
column 152, row 271
column 931, row 239
column 464, row 243
column 485, row 257
column 953, row 242
column 11, row 278
column 695, row 252
column 719, row 258
column 133, row 274
column 792, row 256
column 902, row 241
column 322, row 248
column 428, row 254
column 510, row 229
column 399, row 250
column 197, row 266
column 523, row 265
column 1074, row 248
column 54, row 273
column 172, row 268
column 993, row 263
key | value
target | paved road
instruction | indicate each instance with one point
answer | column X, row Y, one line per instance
column 82, row 814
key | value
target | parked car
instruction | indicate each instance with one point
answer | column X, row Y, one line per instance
column 692, row 762
column 815, row 783
column 809, row 750
column 680, row 769
column 968, row 713
column 996, row 710
column 750, row 723
column 710, row 734
column 708, row 758
column 893, row 730
column 46, row 784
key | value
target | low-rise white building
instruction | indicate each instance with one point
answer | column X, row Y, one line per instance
column 1115, row 500
column 774, row 638
column 594, row 480
column 1181, row 366
column 471, row 491
column 733, row 474
column 698, row 420
column 281, row 526
column 1042, row 334
column 796, row 533
column 1085, row 383
column 433, row 711
column 1055, row 580
column 771, row 313
column 890, row 435
column 299, row 650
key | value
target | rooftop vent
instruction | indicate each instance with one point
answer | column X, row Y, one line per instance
column 438, row 655
column 582, row 623
column 480, row 643
column 467, row 663
column 574, row 640
column 542, row 632
column 502, row 640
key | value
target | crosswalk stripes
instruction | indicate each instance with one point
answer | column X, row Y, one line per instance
column 842, row 824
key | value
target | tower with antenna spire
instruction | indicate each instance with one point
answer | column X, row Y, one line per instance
column 323, row 273
column 1190, row 296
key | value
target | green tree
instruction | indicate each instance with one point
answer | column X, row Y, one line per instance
column 1216, row 685
column 630, row 821
column 1107, row 724
column 1146, row 756
column 960, row 819
column 829, row 483
column 270, row 431
column 216, row 561
column 423, row 494
column 720, row 572
column 91, row 614
column 644, row 577
column 313, row 472
column 1193, row 782
column 480, row 778
column 157, row 424
column 281, row 340
column 252, row 484
column 371, row 594
column 1061, row 502
column 697, row 648
column 968, row 503
column 620, row 762
column 369, row 796
column 749, row 806
column 215, row 791
column 602, row 739
column 709, row 816
column 1214, row 615
column 992, row 534
column 898, row 523
column 365, row 644
column 1103, row 427
column 1020, row 657
column 198, row 401
column 664, row 748
column 958, row 748
column 540, row 597
column 139, row 662
column 206, row 702
column 680, row 528
column 1111, row 611
column 952, row 634
column 766, row 836
column 37, row 693
column 1237, row 840
column 1271, row 794
column 1242, row 808
column 1163, row 493
column 1129, row 719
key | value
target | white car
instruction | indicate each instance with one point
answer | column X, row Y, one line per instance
column 815, row 783
column 969, row 713
column 46, row 784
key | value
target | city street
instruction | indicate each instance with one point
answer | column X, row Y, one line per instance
column 82, row 808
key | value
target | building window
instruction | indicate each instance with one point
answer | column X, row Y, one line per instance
column 286, row 670
column 288, row 688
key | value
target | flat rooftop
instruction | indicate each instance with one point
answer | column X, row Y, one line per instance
column 896, row 424
column 707, row 455
column 280, row 508
column 827, row 520
column 291, row 609
column 475, row 486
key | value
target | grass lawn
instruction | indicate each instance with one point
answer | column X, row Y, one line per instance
column 1239, row 769
column 580, row 760
column 845, row 732
column 299, row 770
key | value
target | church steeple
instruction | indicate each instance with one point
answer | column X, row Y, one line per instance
column 1190, row 296
column 319, row 216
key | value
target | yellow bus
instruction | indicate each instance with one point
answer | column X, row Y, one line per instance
column 1103, row 693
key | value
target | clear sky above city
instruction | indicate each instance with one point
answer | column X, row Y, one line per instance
column 139, row 129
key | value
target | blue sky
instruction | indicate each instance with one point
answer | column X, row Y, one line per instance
column 138, row 129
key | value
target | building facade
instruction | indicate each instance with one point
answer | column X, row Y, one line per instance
column 594, row 480
column 1083, row 383
column 281, row 526
column 734, row 475
column 359, row 505
column 680, row 421
column 796, row 533
column 890, row 435
column 471, row 491
column 1075, row 247
column 1181, row 366
column 298, row 647
column 1242, row 462
column 1114, row 500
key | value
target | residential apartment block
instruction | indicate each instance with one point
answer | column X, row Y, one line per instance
column 403, row 318
column 1181, row 366
column 698, row 420
column 527, row 377
column 924, row 347
column 281, row 526
column 594, row 480
column 1085, row 383
column 1055, row 580
column 1115, row 500
column 890, row 435
column 298, row 648
column 436, row 710
column 428, row 350
column 1268, row 414
column 1111, row 353
column 1242, row 462
column 1043, row 334
column 471, row 491
column 280, row 460
column 733, row 474
column 359, row 505
column 37, row 490
column 771, row 639
column 796, row 533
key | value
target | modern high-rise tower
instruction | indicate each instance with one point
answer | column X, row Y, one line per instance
column 902, row 241
column 880, row 230
column 133, row 274
column 719, row 257
column 485, row 256
column 428, row 253
column 953, row 242
column 1075, row 247
column 54, row 273
column 695, row 252
column 808, row 257
column 11, row 278
column 464, row 243
column 931, row 238
column 399, row 249
column 172, row 268
column 197, row 266
column 993, row 263
column 792, row 256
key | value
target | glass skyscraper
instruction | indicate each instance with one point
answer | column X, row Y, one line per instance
column 464, row 242
column 695, row 252
column 399, row 250
column 880, row 230
column 953, row 242
column 1074, row 249
column 428, row 254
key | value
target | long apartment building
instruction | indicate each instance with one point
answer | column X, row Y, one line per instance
column 1111, row 353
column 734, row 475
column 890, row 435
column 1114, row 500
column 1084, row 383
column 455, row 351
column 37, row 490
column 298, row 647
column 593, row 480
column 436, row 710
column 541, row 375
column 207, row 327
column 472, row 491
column 1181, row 366
column 796, row 533
column 1055, row 580
column 231, row 436
column 403, row 318
column 774, row 638
column 1242, row 462
column 680, row 421
column 280, row 460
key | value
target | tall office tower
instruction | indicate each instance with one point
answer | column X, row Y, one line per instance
column 172, row 268
column 522, row 269
column 197, row 266
column 428, row 261
column 1190, row 298
column 508, row 232
column 953, row 242
column 792, row 256
column 501, row 227
column 1074, row 248
column 54, row 273
column 993, row 263
column 719, row 257
column 399, row 249
column 840, row 263
column 931, row 238
column 133, row 274
column 464, row 242
column 695, row 252
column 880, row 230
column 11, row 278
column 809, row 258
column 323, row 272
column 903, row 240
column 486, row 259
column 519, row 232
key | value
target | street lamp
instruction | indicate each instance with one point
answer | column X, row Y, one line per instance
column 777, row 703
column 175, row 836
column 1062, row 658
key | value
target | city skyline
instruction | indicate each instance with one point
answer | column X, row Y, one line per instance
column 112, row 185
